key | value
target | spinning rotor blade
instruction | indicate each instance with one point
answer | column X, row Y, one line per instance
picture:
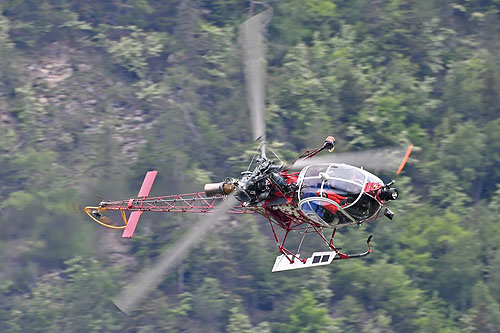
column 380, row 159
column 138, row 289
column 252, row 41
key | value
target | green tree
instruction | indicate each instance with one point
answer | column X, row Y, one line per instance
column 305, row 315
column 209, row 303
column 302, row 99
column 432, row 317
column 77, row 300
column 485, row 312
column 463, row 86
column 239, row 322
column 351, row 314
column 133, row 51
column 296, row 20
column 383, row 286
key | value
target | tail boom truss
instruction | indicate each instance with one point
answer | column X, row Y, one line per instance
column 180, row 203
column 185, row 203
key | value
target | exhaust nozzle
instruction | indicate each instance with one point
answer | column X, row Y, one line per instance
column 223, row 188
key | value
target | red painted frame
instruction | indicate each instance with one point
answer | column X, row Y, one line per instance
column 285, row 215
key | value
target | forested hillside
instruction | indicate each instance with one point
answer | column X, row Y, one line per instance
column 95, row 93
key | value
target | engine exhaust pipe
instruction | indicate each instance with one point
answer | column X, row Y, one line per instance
column 223, row 188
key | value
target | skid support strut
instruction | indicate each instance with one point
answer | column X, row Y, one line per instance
column 281, row 246
column 289, row 260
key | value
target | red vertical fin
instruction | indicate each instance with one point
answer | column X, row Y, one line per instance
column 143, row 193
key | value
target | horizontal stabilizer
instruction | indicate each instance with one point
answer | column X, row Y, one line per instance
column 143, row 194
column 132, row 223
column 147, row 184
column 317, row 259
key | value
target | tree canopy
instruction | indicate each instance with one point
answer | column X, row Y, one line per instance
column 95, row 93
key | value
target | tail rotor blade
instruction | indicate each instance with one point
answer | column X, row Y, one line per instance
column 405, row 159
column 138, row 289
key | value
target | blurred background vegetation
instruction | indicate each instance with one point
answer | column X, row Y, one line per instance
column 95, row 93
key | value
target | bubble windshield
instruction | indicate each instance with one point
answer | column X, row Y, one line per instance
column 333, row 194
column 343, row 180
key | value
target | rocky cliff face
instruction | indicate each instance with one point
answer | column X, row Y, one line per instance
column 79, row 106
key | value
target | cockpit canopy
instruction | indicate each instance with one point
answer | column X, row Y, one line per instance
column 334, row 194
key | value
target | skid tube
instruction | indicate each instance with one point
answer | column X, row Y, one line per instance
column 340, row 255
column 344, row 255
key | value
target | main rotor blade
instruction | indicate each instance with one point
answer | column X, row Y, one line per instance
column 145, row 282
column 379, row 159
column 252, row 41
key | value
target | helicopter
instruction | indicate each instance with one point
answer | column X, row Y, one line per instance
column 309, row 195
column 318, row 197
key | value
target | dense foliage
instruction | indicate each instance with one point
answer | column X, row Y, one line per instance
column 95, row 93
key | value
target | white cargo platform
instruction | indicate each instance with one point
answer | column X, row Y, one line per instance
column 317, row 259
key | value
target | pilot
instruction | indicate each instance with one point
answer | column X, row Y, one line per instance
column 332, row 196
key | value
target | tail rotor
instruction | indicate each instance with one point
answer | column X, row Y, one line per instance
column 405, row 159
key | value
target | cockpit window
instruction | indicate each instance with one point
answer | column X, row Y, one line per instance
column 347, row 173
column 310, row 187
column 315, row 170
column 343, row 188
column 315, row 210
column 323, row 211
column 374, row 179
column 365, row 207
